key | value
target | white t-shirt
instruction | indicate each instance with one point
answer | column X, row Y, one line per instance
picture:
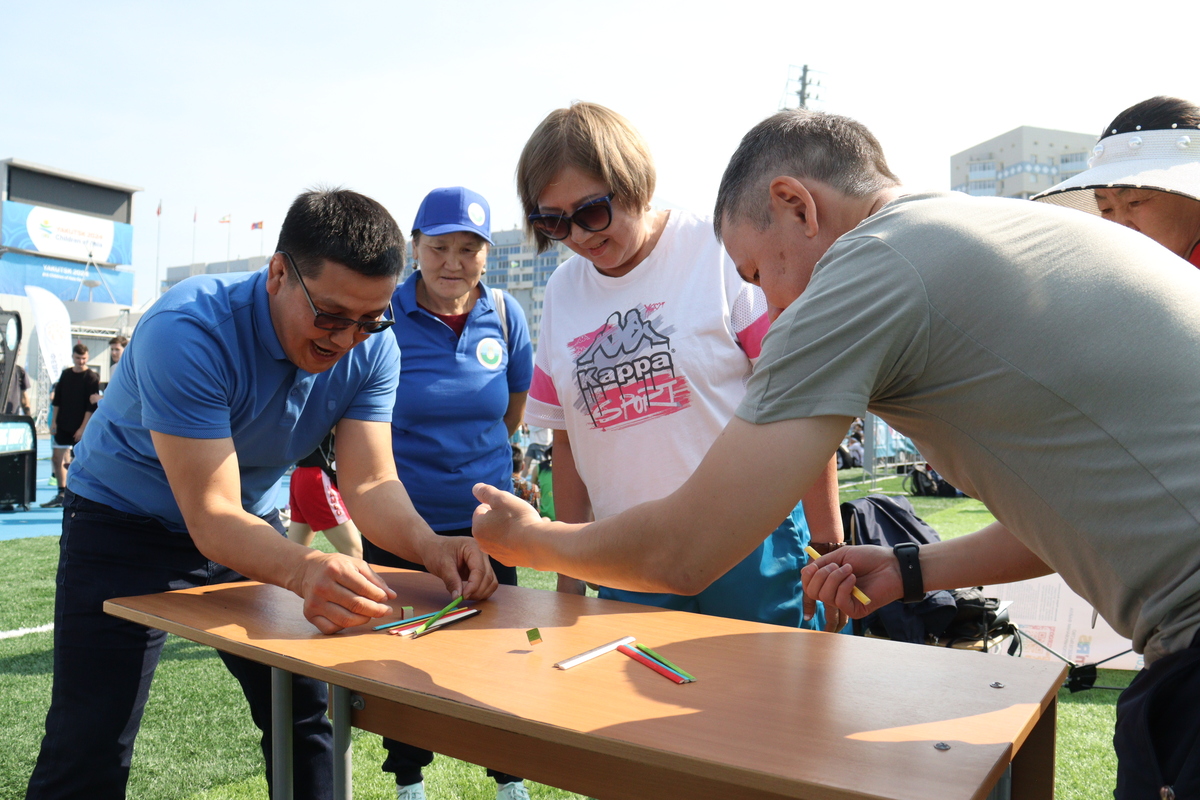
column 644, row 371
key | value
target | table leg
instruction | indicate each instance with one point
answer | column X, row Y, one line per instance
column 1033, row 765
column 343, row 784
column 281, row 734
column 1003, row 788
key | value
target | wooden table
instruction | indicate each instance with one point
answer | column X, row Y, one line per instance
column 775, row 712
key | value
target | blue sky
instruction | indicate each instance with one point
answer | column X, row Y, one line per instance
column 234, row 108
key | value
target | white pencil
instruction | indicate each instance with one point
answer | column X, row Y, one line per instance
column 590, row 654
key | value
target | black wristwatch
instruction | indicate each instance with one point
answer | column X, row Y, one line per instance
column 909, row 556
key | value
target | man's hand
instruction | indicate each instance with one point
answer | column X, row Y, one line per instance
column 499, row 523
column 78, row 435
column 462, row 566
column 830, row 579
column 340, row 592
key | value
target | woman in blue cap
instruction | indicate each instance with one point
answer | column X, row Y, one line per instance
column 466, row 363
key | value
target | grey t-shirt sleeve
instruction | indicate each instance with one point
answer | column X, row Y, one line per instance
column 860, row 332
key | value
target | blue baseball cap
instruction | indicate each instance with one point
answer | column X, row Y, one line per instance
column 454, row 208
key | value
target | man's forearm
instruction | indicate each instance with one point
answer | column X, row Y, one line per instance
column 249, row 545
column 384, row 514
column 822, row 508
column 988, row 556
column 683, row 542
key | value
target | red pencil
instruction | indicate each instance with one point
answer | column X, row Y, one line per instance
column 652, row 664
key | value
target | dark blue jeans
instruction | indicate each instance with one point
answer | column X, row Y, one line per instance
column 1158, row 729
column 406, row 761
column 103, row 666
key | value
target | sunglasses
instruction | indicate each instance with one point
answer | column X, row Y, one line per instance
column 332, row 322
column 594, row 215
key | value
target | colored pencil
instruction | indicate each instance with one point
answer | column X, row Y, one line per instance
column 453, row 616
column 641, row 658
column 596, row 651
column 399, row 622
column 859, row 594
column 439, row 615
column 663, row 661
column 446, row 620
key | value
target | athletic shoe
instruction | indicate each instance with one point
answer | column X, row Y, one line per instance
column 512, row 791
column 414, row 791
column 57, row 502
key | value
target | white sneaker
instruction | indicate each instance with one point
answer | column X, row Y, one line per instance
column 512, row 791
column 414, row 791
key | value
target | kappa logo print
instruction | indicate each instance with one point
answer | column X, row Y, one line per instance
column 625, row 371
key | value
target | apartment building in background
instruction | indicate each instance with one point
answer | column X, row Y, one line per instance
column 1020, row 163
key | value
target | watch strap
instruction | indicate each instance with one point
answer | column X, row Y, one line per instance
column 908, row 555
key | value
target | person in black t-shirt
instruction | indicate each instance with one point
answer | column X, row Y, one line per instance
column 73, row 409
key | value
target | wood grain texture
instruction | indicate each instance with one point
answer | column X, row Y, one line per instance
column 775, row 712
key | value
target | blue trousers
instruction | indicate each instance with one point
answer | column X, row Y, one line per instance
column 103, row 666
column 1157, row 738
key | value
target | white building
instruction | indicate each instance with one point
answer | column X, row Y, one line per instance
column 1020, row 163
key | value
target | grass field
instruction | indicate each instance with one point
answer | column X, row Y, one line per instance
column 197, row 741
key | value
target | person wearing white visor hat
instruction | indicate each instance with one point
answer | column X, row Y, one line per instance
column 1144, row 173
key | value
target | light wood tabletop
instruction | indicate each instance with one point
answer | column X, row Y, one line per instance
column 774, row 712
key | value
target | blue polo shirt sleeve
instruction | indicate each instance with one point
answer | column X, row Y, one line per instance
column 520, row 348
column 376, row 393
column 183, row 375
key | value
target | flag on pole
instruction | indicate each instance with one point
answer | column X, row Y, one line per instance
column 159, row 212
column 256, row 226
column 225, row 219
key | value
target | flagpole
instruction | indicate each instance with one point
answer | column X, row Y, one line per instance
column 195, row 211
column 229, row 242
column 158, row 254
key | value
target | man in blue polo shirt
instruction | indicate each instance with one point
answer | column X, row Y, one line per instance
column 230, row 380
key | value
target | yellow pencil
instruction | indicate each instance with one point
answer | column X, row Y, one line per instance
column 859, row 595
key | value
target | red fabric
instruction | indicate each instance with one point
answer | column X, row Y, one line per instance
column 456, row 322
column 315, row 501
column 1194, row 259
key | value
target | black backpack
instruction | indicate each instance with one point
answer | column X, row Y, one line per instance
column 887, row 521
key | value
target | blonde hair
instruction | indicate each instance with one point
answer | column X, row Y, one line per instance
column 595, row 140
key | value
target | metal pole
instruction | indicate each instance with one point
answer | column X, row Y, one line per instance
column 158, row 252
column 281, row 734
column 343, row 784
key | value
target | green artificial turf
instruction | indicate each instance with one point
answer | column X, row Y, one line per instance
column 197, row 741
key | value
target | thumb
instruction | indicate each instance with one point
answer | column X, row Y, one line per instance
column 486, row 493
column 810, row 608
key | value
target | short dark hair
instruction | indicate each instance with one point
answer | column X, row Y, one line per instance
column 802, row 144
column 121, row 340
column 80, row 349
column 344, row 227
column 1156, row 114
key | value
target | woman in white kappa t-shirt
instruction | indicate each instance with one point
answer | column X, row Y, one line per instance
column 648, row 337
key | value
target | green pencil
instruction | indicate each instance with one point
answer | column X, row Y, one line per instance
column 665, row 663
column 439, row 614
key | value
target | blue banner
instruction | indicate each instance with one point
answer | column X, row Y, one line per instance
column 64, row 279
column 66, row 234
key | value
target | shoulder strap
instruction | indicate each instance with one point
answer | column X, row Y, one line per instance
column 502, row 310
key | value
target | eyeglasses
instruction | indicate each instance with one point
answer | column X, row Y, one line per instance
column 332, row 322
column 594, row 215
